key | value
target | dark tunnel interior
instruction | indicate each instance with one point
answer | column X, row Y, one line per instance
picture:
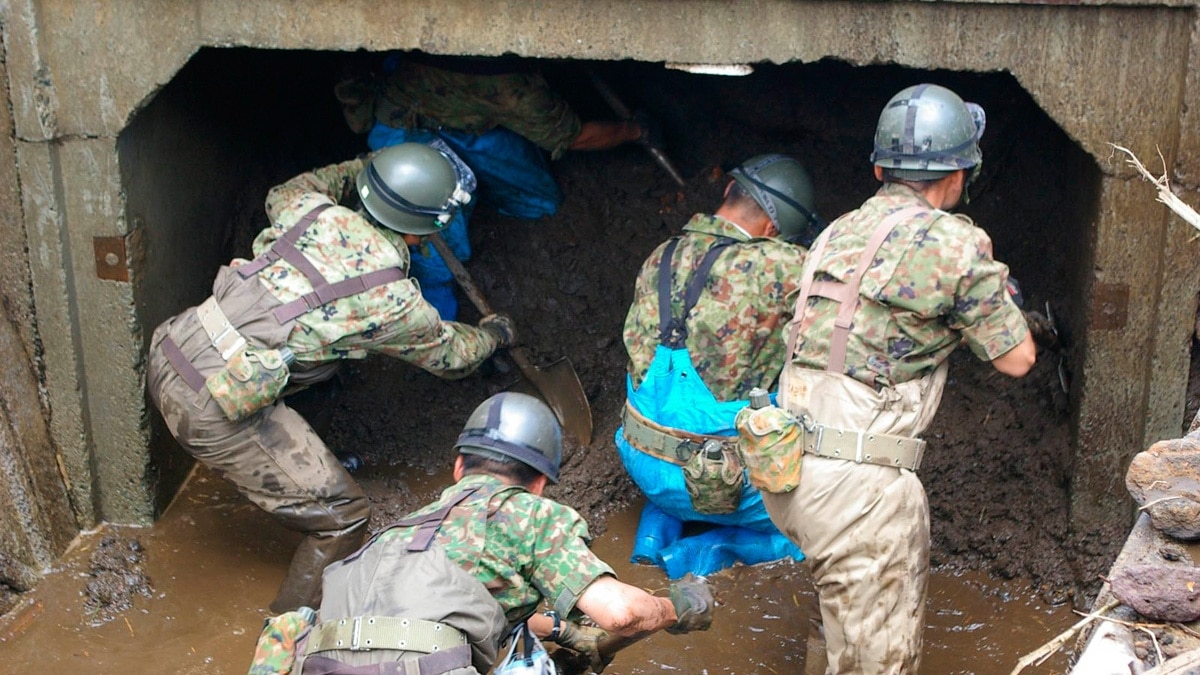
column 199, row 157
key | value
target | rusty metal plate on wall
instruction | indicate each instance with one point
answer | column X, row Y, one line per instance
column 1110, row 306
column 110, row 258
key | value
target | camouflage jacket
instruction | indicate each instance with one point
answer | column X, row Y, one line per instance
column 421, row 95
column 735, row 331
column 392, row 319
column 933, row 284
column 529, row 548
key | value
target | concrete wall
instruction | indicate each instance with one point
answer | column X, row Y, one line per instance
column 81, row 70
column 36, row 520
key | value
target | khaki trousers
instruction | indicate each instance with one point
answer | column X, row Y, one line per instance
column 273, row 457
column 865, row 531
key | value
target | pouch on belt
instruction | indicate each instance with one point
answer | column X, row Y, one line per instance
column 770, row 445
column 713, row 477
column 252, row 379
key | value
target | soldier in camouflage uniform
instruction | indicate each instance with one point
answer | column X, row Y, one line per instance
column 438, row 590
column 498, row 114
column 890, row 290
column 329, row 283
column 704, row 329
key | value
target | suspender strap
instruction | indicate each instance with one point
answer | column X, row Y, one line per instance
column 286, row 242
column 182, row 366
column 335, row 291
column 667, row 325
column 672, row 331
column 428, row 523
column 847, row 293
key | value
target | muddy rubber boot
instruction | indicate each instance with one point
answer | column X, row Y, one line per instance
column 302, row 585
column 816, row 660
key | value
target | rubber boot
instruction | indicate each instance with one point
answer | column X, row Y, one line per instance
column 302, row 585
column 816, row 660
column 656, row 530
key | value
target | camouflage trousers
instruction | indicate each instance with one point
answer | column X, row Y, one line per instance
column 865, row 532
column 273, row 457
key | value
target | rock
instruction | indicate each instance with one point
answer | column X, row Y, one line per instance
column 1165, row 481
column 1160, row 593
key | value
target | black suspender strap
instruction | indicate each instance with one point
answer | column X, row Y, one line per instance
column 672, row 330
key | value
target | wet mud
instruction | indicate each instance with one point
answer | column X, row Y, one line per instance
column 216, row 562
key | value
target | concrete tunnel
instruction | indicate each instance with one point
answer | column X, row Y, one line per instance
column 128, row 181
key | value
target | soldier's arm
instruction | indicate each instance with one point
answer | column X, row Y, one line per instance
column 447, row 349
column 625, row 610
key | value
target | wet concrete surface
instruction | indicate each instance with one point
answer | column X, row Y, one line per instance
column 214, row 562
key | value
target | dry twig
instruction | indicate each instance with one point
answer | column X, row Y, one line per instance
column 1164, row 187
column 1044, row 652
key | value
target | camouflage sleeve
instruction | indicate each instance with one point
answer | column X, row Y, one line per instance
column 540, row 114
column 641, row 322
column 563, row 564
column 984, row 312
column 448, row 349
column 333, row 181
column 787, row 266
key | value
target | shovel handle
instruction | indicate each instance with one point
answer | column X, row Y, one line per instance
column 460, row 274
column 517, row 354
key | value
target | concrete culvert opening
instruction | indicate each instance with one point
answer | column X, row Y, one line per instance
column 198, row 159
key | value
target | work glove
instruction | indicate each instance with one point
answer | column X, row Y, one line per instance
column 1042, row 329
column 501, row 326
column 693, row 601
column 586, row 640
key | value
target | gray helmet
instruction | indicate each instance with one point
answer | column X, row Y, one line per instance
column 516, row 426
column 414, row 188
column 782, row 188
column 926, row 131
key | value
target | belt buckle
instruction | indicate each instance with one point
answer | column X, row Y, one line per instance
column 356, row 634
column 685, row 449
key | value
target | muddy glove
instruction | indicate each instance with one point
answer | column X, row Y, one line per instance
column 501, row 326
column 693, row 601
column 652, row 135
column 1042, row 329
column 586, row 640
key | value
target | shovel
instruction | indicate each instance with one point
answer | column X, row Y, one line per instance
column 624, row 113
column 557, row 384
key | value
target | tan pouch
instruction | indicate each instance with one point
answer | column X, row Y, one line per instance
column 770, row 445
column 251, row 380
column 713, row 477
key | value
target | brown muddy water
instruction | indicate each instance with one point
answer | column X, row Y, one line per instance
column 214, row 562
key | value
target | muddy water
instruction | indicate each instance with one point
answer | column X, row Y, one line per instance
column 214, row 562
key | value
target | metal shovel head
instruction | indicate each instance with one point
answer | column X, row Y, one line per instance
column 558, row 385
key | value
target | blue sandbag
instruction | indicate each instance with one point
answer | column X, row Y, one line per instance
column 721, row 547
column 657, row 529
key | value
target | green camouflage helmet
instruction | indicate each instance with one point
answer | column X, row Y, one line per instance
column 927, row 131
column 514, row 426
column 783, row 189
column 414, row 188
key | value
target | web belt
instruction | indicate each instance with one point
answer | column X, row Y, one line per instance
column 864, row 447
column 362, row 633
column 666, row 443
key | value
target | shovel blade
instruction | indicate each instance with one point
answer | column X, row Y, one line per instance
column 558, row 385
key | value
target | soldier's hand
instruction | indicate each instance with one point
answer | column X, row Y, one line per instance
column 501, row 326
column 652, row 135
column 1042, row 330
column 586, row 640
column 693, row 601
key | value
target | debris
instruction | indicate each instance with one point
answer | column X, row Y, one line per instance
column 1164, row 188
